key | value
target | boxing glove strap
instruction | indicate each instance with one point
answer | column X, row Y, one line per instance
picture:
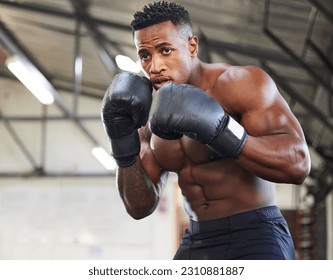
column 230, row 140
column 125, row 149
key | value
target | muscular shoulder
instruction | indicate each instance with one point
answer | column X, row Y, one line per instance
column 242, row 88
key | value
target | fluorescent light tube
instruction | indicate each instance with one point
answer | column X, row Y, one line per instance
column 32, row 79
column 104, row 158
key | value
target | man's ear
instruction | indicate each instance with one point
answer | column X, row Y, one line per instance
column 193, row 44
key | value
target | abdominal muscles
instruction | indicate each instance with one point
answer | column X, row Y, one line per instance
column 212, row 188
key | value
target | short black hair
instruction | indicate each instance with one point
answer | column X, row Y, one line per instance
column 158, row 12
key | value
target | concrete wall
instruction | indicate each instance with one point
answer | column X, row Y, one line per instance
column 79, row 219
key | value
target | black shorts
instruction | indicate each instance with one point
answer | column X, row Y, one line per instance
column 261, row 234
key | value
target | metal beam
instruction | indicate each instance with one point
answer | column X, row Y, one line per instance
column 20, row 144
column 256, row 52
column 303, row 64
column 43, row 137
column 41, row 173
column 290, row 52
column 323, row 57
column 49, row 118
column 78, row 68
column 322, row 9
column 60, row 13
column 106, row 54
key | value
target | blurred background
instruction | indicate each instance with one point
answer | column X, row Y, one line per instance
column 58, row 199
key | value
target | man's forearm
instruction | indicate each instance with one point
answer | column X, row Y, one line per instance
column 137, row 191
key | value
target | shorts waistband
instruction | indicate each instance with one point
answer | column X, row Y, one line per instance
column 245, row 218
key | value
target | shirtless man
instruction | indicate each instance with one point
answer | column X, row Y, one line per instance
column 225, row 130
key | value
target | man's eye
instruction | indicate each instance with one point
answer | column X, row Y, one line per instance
column 167, row 51
column 144, row 56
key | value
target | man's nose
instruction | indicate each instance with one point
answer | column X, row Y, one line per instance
column 157, row 65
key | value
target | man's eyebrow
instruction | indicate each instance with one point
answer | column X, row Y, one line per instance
column 163, row 44
column 160, row 45
column 142, row 51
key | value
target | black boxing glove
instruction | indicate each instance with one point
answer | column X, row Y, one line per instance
column 179, row 110
column 125, row 108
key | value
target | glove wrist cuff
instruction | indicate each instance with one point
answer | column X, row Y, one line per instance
column 230, row 140
column 125, row 149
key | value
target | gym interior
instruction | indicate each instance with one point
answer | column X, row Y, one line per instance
column 58, row 201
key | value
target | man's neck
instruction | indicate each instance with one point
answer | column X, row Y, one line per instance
column 196, row 74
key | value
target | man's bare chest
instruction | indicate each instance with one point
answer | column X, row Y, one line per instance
column 174, row 154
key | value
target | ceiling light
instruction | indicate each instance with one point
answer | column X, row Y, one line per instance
column 104, row 158
column 127, row 64
column 33, row 80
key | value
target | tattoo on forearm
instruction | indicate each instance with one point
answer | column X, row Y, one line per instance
column 136, row 189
